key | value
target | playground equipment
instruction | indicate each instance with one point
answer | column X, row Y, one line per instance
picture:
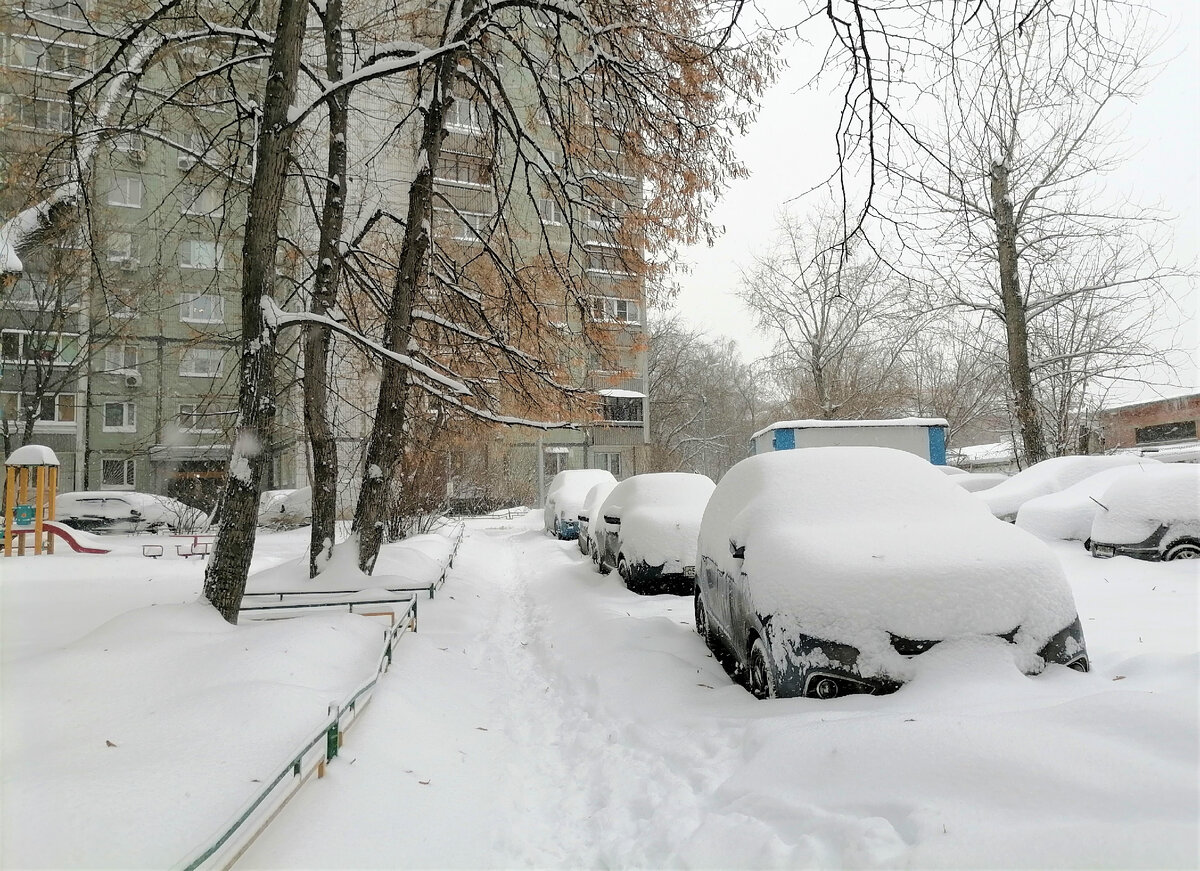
column 20, row 515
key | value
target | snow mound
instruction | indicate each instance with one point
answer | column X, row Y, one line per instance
column 1068, row 514
column 1048, row 476
column 851, row 544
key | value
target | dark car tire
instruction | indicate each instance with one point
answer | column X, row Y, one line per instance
column 703, row 629
column 601, row 566
column 761, row 677
column 1183, row 549
column 627, row 574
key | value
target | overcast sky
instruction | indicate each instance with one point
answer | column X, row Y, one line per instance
column 791, row 149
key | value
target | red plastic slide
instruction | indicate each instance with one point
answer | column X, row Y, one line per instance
column 65, row 533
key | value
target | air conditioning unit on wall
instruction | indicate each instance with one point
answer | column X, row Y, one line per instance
column 132, row 378
column 128, row 264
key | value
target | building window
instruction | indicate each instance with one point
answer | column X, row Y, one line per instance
column 200, row 363
column 67, row 10
column 48, row 57
column 623, row 409
column 59, row 408
column 460, row 167
column 464, row 226
column 202, row 308
column 550, row 211
column 201, row 200
column 125, row 191
column 607, row 308
column 464, row 115
column 41, row 113
column 120, row 355
column 120, row 247
column 43, row 295
column 57, row 349
column 120, row 417
column 119, row 302
column 116, row 473
column 607, row 259
column 198, row 254
column 129, row 143
column 1166, row 432
column 610, row 461
column 193, row 419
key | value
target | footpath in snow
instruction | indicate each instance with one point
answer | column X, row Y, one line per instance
column 546, row 717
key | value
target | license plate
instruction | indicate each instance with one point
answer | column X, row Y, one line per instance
column 689, row 571
column 1103, row 551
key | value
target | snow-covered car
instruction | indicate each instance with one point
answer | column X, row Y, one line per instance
column 127, row 511
column 591, row 504
column 646, row 529
column 1155, row 516
column 1049, row 476
column 973, row 482
column 1068, row 514
column 564, row 498
column 285, row 509
column 824, row 572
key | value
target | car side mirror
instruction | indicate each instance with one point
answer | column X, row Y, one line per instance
column 738, row 551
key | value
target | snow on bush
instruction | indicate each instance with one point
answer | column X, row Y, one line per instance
column 660, row 517
column 1137, row 505
column 1048, row 476
column 567, row 491
column 849, row 544
column 1068, row 514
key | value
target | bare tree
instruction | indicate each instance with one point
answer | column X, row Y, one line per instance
column 1002, row 183
column 842, row 320
column 706, row 398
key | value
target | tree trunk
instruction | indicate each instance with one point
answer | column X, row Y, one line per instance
column 324, row 296
column 385, row 448
column 225, row 578
column 1015, row 327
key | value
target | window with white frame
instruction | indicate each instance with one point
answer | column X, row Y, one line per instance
column 119, row 302
column 120, row 246
column 53, row 57
column 55, row 408
column 202, row 200
column 200, row 362
column 116, row 473
column 202, row 308
column 128, row 143
column 607, row 259
column 125, row 191
column 42, row 113
column 608, row 460
column 57, row 349
column 120, row 417
column 120, row 355
column 193, row 418
column 38, row 293
column 623, row 409
column 461, row 167
column 464, row 115
column 68, row 10
column 607, row 308
column 201, row 254
column 550, row 211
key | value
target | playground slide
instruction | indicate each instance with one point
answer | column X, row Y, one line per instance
column 70, row 536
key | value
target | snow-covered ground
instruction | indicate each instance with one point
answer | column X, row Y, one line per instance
column 544, row 716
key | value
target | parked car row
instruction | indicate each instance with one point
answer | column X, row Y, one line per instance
column 821, row 572
column 113, row 511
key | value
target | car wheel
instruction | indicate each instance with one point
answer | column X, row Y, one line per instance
column 1183, row 550
column 762, row 678
column 702, row 627
column 626, row 574
column 601, row 566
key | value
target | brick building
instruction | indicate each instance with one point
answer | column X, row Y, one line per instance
column 1164, row 428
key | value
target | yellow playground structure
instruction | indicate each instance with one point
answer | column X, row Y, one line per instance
column 31, row 481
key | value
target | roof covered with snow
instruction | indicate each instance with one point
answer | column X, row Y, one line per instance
column 32, row 455
column 851, row 424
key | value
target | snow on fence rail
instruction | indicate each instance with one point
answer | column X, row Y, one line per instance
column 222, row 850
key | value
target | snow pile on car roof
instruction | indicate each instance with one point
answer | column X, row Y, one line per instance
column 1167, row 493
column 595, row 498
column 568, row 489
column 850, row 544
column 1068, row 514
column 660, row 515
column 1048, row 476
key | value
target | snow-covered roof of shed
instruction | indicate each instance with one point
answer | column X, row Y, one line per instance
column 850, row 424
column 32, row 455
column 621, row 394
column 990, row 451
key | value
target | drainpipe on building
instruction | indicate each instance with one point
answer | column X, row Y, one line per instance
column 541, row 474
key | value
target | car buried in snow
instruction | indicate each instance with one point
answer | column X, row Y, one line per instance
column 1155, row 516
column 116, row 511
column 1049, row 476
column 564, row 498
column 825, row 571
column 591, row 504
column 646, row 530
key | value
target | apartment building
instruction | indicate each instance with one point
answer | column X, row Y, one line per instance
column 119, row 336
